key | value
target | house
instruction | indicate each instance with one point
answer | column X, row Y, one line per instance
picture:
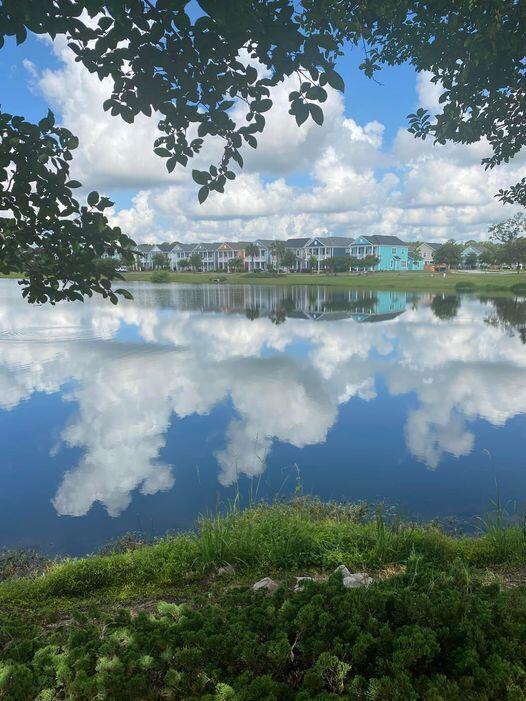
column 318, row 247
column 208, row 253
column 414, row 261
column 227, row 251
column 474, row 249
column 393, row 253
column 180, row 252
column 426, row 250
column 323, row 247
column 144, row 255
column 297, row 246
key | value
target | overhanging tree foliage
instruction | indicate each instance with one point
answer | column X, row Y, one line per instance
column 188, row 69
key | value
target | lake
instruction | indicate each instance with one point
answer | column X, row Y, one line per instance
column 142, row 416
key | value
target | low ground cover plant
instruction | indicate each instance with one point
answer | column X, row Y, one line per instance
column 159, row 622
column 419, row 635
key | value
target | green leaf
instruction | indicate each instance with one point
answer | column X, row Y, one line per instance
column 201, row 177
column 93, row 198
column 73, row 184
column 335, row 80
column 203, row 194
column 316, row 113
column 262, row 105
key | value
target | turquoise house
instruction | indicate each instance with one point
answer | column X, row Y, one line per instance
column 393, row 253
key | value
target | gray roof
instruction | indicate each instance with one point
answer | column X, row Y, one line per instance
column 185, row 247
column 267, row 242
column 342, row 241
column 206, row 246
column 167, row 247
column 384, row 240
column 297, row 243
column 433, row 244
column 144, row 247
column 478, row 247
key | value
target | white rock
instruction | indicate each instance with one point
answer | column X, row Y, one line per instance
column 343, row 571
column 226, row 571
column 357, row 579
column 298, row 586
column 266, row 583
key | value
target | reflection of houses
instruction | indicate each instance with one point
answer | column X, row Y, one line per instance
column 316, row 303
column 393, row 254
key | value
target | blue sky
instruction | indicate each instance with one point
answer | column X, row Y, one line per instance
column 388, row 183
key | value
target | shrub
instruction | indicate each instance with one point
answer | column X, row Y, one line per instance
column 160, row 276
column 421, row 635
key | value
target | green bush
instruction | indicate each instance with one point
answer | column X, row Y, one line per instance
column 160, row 276
column 436, row 636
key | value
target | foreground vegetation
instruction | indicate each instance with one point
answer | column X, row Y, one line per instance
column 421, row 281
column 159, row 622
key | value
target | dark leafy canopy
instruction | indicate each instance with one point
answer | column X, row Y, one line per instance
column 475, row 50
column 57, row 243
column 186, row 67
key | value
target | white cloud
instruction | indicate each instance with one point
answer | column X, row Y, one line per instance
column 340, row 178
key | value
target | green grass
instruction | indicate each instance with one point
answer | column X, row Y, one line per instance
column 406, row 281
column 418, row 281
column 283, row 537
column 157, row 622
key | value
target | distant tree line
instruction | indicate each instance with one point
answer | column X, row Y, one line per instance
column 506, row 247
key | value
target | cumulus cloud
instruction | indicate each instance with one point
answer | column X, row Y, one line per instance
column 340, row 178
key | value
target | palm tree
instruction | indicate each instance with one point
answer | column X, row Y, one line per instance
column 252, row 250
column 278, row 250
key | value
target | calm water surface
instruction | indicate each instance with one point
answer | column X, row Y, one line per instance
column 142, row 416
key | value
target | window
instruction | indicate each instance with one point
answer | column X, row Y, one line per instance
column 393, row 251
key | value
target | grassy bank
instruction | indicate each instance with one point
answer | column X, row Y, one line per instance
column 440, row 621
column 418, row 281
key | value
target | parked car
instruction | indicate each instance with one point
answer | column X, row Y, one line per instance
column 122, row 269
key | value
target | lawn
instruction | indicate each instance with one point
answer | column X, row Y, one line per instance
column 406, row 281
column 421, row 281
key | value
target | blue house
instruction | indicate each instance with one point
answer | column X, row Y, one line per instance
column 393, row 253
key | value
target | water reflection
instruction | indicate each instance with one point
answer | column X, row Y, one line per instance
column 182, row 351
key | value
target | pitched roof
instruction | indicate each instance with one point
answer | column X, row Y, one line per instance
column 478, row 247
column 297, row 243
column 144, row 247
column 206, row 246
column 379, row 240
column 342, row 241
column 167, row 247
column 433, row 244
column 266, row 242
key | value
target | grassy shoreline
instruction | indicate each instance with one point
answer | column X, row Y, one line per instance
column 417, row 281
column 442, row 621
column 403, row 281
column 284, row 538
